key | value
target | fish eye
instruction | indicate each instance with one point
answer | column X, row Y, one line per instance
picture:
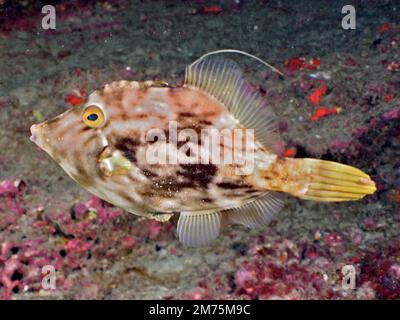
column 93, row 116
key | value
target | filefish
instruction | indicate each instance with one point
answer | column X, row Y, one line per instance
column 111, row 145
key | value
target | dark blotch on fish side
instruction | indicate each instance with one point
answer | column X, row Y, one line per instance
column 206, row 122
column 232, row 185
column 148, row 173
column 128, row 148
column 251, row 191
column 198, row 174
column 183, row 125
column 130, row 155
column 86, row 128
column 118, row 95
column 166, row 186
column 125, row 195
column 81, row 171
column 126, row 143
column 186, row 114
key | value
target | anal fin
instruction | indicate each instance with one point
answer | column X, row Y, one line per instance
column 202, row 227
column 257, row 213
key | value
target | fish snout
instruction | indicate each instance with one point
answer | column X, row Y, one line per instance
column 34, row 133
column 37, row 135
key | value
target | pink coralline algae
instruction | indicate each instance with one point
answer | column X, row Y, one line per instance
column 273, row 268
column 276, row 268
column 152, row 229
column 72, row 241
column 371, row 224
column 128, row 242
column 333, row 240
column 10, row 191
column 10, row 187
column 392, row 114
column 338, row 145
column 64, row 240
column 93, row 235
column 380, row 271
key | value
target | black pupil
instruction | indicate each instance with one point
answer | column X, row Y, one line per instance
column 92, row 117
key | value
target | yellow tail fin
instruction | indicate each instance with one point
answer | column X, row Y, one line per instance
column 331, row 181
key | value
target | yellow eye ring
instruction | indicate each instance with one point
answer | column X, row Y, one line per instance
column 93, row 116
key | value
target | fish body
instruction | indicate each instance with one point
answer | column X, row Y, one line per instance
column 207, row 150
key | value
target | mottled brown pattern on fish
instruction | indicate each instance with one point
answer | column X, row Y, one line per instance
column 86, row 128
column 187, row 114
column 169, row 185
column 149, row 174
column 187, row 101
column 278, row 172
column 205, row 122
column 125, row 195
column 126, row 143
column 234, row 185
column 284, row 174
column 116, row 94
column 166, row 188
column 111, row 159
column 189, row 176
column 199, row 175
column 252, row 191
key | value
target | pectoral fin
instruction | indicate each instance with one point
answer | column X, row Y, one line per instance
column 112, row 164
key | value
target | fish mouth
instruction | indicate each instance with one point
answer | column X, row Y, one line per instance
column 34, row 133
column 37, row 136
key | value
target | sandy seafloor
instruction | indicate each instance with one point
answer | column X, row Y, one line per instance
column 101, row 252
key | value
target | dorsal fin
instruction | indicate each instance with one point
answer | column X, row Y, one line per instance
column 223, row 79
